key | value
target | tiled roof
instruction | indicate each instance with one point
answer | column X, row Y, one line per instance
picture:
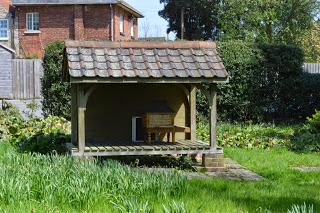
column 144, row 60
column 121, row 3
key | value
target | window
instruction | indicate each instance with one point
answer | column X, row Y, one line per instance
column 132, row 28
column 32, row 21
column 4, row 29
column 121, row 23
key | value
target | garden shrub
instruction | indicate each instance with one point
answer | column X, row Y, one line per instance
column 236, row 100
column 55, row 92
column 9, row 116
column 266, row 84
column 28, row 134
column 308, row 137
column 249, row 136
column 314, row 122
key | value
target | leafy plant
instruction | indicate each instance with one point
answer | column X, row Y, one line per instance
column 9, row 116
column 314, row 121
column 249, row 136
column 22, row 132
column 176, row 207
column 301, row 209
column 308, row 137
column 271, row 72
column 55, row 92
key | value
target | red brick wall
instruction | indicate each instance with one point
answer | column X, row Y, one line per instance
column 127, row 30
column 97, row 22
column 90, row 22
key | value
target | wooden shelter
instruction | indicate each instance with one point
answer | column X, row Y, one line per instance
column 139, row 98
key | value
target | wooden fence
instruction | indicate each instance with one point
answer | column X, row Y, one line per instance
column 26, row 75
column 312, row 68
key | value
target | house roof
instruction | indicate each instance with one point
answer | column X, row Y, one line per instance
column 5, row 4
column 120, row 3
column 7, row 48
column 194, row 60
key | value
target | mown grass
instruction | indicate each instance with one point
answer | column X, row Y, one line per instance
column 281, row 188
column 41, row 183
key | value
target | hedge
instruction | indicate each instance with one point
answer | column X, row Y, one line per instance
column 55, row 92
column 267, row 84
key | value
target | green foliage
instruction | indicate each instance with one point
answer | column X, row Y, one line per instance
column 201, row 18
column 81, row 185
column 38, row 133
column 314, row 122
column 8, row 117
column 266, row 84
column 176, row 207
column 311, row 44
column 270, row 21
column 55, row 92
column 308, row 137
column 237, row 99
column 249, row 136
column 301, row 208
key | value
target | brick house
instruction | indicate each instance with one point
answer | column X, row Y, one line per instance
column 44, row 21
column 8, row 34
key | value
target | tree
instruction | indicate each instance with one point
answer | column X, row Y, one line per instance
column 201, row 18
column 311, row 44
column 271, row 21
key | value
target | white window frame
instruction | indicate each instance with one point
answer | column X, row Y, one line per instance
column 5, row 29
column 31, row 24
column 132, row 27
column 121, row 24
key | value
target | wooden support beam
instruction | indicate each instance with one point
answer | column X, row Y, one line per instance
column 213, row 116
column 193, row 119
column 74, row 114
column 81, row 118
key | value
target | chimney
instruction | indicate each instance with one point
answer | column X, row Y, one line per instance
column 78, row 22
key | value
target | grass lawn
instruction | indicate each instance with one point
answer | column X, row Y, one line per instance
column 42, row 183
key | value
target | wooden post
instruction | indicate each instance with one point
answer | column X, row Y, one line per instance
column 213, row 116
column 193, row 119
column 74, row 114
column 81, row 119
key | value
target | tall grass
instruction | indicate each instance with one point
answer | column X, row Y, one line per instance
column 61, row 181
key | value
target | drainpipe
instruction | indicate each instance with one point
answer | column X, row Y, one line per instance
column 112, row 24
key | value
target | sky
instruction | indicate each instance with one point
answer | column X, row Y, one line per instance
column 157, row 26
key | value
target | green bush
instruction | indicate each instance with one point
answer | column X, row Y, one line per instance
column 249, row 136
column 236, row 100
column 20, row 132
column 8, row 117
column 308, row 137
column 55, row 92
column 314, row 122
column 266, row 84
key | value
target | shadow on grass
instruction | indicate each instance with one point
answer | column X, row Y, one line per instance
column 53, row 143
column 182, row 162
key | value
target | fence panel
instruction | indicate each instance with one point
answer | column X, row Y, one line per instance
column 26, row 75
column 312, row 68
